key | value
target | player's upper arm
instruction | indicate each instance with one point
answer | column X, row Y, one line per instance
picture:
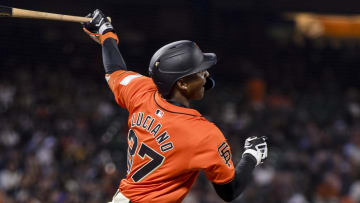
column 213, row 156
column 127, row 86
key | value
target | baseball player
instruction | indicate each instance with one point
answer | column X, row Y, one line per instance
column 169, row 143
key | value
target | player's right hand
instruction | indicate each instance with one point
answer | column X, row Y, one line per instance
column 99, row 24
column 256, row 147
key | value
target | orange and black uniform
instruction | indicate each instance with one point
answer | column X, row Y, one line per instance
column 181, row 139
column 168, row 144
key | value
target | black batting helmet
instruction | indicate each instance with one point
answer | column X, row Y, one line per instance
column 177, row 60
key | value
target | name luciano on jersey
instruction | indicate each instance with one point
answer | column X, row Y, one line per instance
column 148, row 124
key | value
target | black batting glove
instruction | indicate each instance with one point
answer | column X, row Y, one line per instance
column 256, row 147
column 99, row 24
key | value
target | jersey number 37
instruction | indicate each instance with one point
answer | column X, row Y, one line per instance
column 155, row 162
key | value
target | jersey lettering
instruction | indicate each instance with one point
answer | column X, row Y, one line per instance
column 137, row 120
column 144, row 124
column 155, row 130
column 149, row 167
column 156, row 161
column 133, row 142
column 133, row 120
column 161, row 138
column 166, row 147
column 151, row 123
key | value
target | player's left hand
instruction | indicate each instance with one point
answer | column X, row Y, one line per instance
column 98, row 25
column 257, row 147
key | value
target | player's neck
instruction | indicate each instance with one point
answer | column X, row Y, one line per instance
column 179, row 99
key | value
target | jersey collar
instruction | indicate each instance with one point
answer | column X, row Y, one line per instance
column 166, row 106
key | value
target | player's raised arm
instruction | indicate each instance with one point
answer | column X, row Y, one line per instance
column 124, row 84
column 255, row 153
column 101, row 30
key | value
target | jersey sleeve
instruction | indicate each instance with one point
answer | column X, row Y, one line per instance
column 213, row 156
column 127, row 86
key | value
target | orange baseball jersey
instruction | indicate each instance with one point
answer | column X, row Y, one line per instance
column 168, row 145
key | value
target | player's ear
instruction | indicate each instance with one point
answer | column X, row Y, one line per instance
column 182, row 85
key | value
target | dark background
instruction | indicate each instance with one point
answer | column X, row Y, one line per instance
column 62, row 137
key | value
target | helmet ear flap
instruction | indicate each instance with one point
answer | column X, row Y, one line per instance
column 210, row 83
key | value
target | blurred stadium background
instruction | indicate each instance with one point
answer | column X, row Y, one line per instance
column 62, row 137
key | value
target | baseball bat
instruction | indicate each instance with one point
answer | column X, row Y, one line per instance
column 22, row 13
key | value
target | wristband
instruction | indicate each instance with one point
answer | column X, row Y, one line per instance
column 108, row 35
column 255, row 154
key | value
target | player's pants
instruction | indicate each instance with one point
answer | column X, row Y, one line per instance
column 119, row 198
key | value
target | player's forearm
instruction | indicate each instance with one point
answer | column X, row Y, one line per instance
column 112, row 58
column 243, row 176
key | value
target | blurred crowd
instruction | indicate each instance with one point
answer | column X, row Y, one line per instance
column 63, row 138
column 55, row 134
column 314, row 141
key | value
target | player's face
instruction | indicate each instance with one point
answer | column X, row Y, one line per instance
column 195, row 84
